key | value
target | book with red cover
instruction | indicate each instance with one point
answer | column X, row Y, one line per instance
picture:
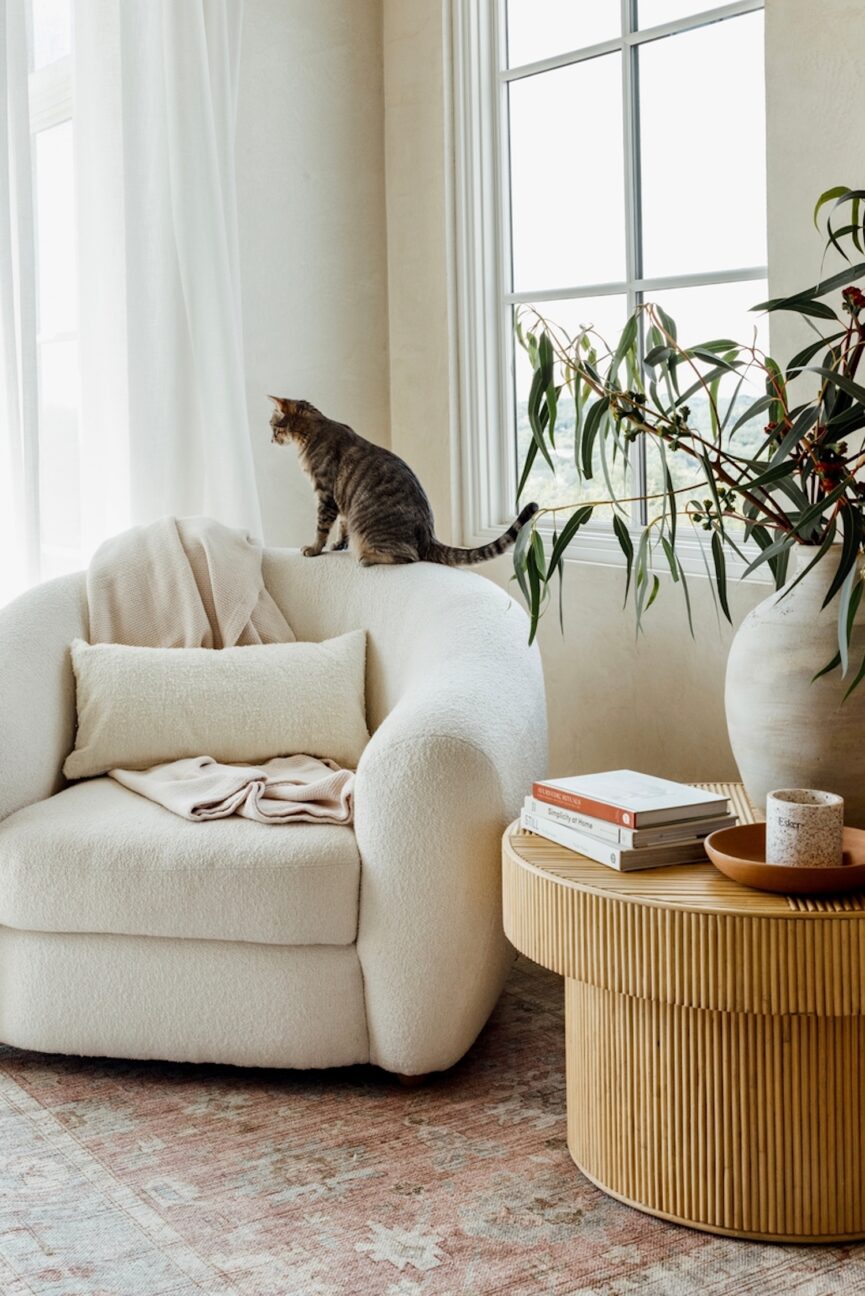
column 631, row 799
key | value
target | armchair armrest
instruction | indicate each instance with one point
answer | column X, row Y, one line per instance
column 436, row 786
column 37, row 689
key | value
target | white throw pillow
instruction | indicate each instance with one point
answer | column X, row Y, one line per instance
column 138, row 707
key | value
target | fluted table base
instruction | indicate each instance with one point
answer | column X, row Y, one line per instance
column 748, row 1125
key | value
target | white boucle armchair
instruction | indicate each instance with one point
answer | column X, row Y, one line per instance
column 127, row 932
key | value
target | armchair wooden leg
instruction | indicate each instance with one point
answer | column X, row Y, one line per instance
column 411, row 1081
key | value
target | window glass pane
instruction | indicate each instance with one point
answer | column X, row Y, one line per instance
column 55, row 231
column 567, row 209
column 701, row 315
column 606, row 315
column 704, row 169
column 538, row 29
column 58, row 457
column 653, row 12
column 51, row 27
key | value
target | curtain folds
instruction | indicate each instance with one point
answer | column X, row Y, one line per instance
column 163, row 407
column 19, row 438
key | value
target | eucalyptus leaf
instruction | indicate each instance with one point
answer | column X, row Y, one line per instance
column 577, row 519
column 626, row 545
column 837, row 191
column 759, row 407
column 801, row 306
column 801, row 358
column 851, row 542
column 838, row 380
column 593, row 422
column 839, row 280
column 528, row 464
column 860, row 675
column 848, row 604
column 626, row 343
column 720, row 573
column 534, row 580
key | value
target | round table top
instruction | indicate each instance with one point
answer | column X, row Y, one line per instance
column 683, row 935
column 698, row 888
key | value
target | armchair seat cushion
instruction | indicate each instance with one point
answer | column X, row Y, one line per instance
column 99, row 858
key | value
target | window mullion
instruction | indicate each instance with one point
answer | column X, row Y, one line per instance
column 507, row 482
column 633, row 219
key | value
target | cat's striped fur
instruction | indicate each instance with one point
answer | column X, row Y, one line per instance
column 382, row 509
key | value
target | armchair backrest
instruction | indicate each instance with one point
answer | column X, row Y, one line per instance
column 421, row 618
column 422, row 621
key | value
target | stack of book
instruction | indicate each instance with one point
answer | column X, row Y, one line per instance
column 626, row 820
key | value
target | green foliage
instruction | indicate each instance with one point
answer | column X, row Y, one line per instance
column 796, row 481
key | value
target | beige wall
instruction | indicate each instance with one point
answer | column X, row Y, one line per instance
column 310, row 152
column 416, row 131
column 815, row 109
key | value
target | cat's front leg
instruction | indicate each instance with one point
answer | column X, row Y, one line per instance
column 327, row 513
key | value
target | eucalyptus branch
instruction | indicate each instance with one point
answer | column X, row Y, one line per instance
column 797, row 487
column 676, row 432
column 603, row 503
column 652, row 313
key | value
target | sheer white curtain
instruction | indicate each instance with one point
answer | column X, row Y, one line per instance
column 164, row 424
column 19, row 454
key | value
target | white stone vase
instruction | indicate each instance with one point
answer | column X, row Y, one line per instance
column 785, row 731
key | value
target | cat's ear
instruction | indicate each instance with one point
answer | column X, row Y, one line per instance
column 279, row 402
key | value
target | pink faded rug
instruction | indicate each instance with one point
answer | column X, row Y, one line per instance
column 146, row 1179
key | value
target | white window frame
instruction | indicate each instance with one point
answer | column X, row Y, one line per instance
column 482, row 251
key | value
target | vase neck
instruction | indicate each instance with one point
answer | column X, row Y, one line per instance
column 804, row 555
column 819, row 578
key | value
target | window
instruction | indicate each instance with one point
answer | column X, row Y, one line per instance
column 607, row 154
column 53, row 143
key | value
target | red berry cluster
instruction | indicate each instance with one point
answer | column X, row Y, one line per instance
column 854, row 299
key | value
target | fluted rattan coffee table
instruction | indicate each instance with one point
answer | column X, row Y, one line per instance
column 715, row 1046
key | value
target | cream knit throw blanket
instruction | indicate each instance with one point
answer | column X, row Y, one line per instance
column 194, row 583
column 182, row 583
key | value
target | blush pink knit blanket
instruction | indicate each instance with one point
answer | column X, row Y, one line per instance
column 288, row 789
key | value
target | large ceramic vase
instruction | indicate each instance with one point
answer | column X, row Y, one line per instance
column 785, row 730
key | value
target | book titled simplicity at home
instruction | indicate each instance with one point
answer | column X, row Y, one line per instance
column 631, row 838
column 630, row 799
column 617, row 857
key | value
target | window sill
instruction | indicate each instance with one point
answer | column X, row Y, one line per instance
column 597, row 545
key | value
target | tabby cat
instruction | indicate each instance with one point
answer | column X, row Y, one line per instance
column 383, row 511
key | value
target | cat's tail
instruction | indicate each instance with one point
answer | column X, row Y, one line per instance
column 451, row 556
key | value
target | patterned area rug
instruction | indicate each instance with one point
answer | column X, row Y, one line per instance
column 146, row 1179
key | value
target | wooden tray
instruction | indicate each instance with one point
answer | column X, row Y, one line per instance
column 740, row 853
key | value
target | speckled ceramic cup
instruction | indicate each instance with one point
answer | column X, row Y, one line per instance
column 804, row 828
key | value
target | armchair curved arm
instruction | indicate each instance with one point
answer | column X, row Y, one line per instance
column 437, row 784
column 37, row 689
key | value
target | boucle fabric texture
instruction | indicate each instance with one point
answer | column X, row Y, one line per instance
column 455, row 701
column 182, row 583
column 138, row 707
column 240, row 1002
column 287, row 789
column 99, row 858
